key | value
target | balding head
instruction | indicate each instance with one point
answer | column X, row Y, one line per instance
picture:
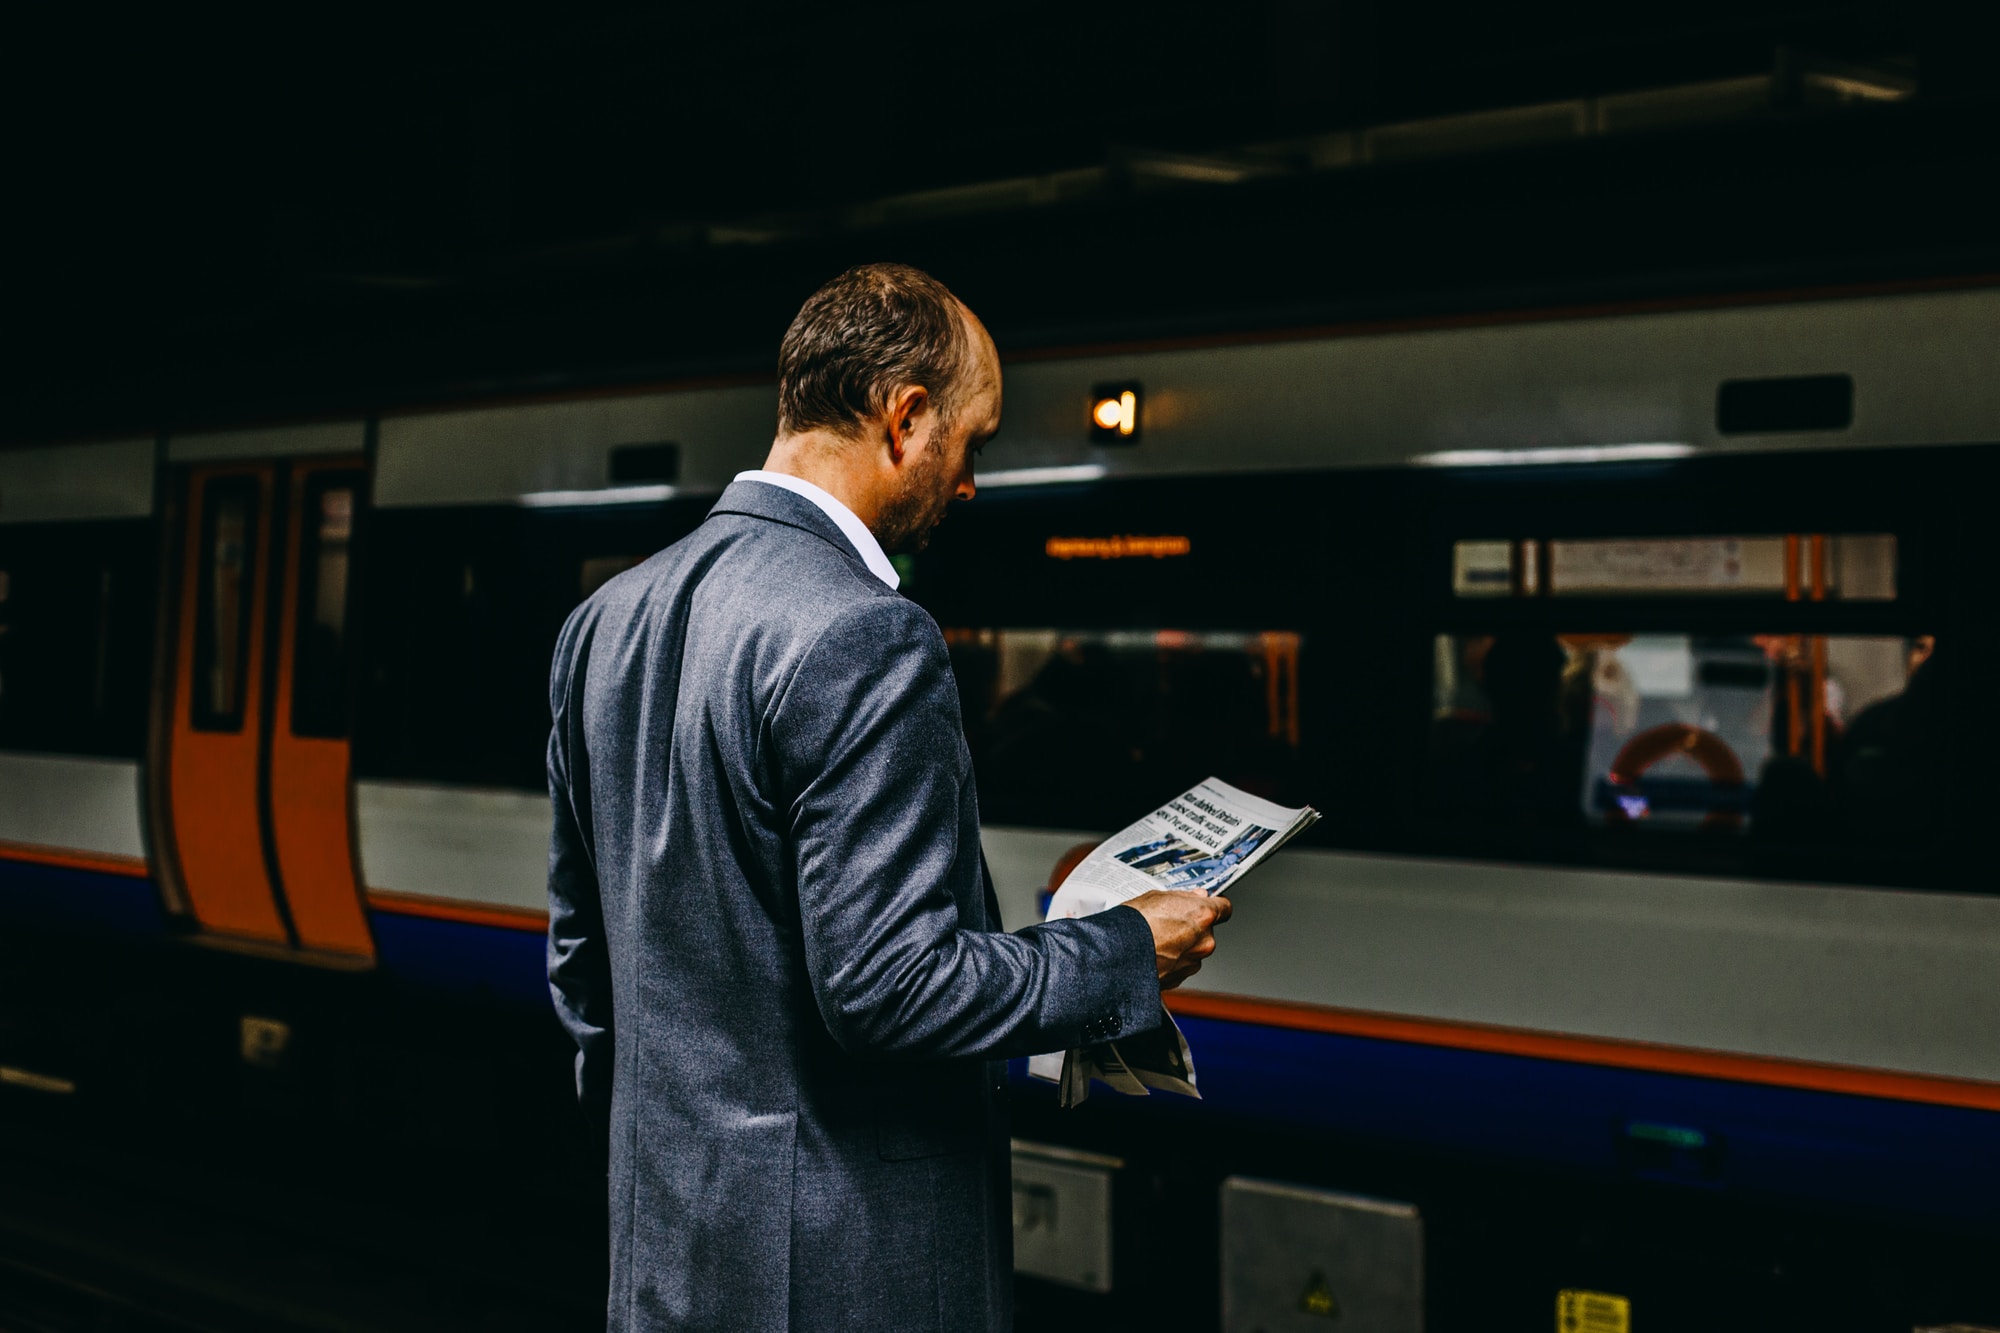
column 888, row 387
column 870, row 332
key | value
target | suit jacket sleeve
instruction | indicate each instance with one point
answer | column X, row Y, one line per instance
column 578, row 957
column 868, row 741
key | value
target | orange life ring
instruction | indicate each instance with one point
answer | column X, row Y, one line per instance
column 1067, row 862
column 1652, row 745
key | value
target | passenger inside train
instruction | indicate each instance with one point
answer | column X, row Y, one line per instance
column 1684, row 732
column 1786, row 740
column 1078, row 728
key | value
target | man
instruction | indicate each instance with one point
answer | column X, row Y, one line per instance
column 770, row 930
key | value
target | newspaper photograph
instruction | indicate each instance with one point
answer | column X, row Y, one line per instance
column 1203, row 841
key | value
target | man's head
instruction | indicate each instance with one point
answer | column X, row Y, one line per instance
column 887, row 388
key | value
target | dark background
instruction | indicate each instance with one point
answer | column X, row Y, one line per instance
column 219, row 217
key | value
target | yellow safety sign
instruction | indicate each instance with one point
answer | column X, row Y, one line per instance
column 1318, row 1298
column 1592, row 1312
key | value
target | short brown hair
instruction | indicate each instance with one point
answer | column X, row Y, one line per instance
column 871, row 331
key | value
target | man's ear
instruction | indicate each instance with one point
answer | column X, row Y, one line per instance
column 906, row 413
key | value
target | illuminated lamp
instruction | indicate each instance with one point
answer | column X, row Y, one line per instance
column 1114, row 414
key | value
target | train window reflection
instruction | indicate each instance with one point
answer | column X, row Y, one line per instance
column 319, row 687
column 1798, row 566
column 1484, row 569
column 1796, row 736
column 1083, row 728
column 224, row 602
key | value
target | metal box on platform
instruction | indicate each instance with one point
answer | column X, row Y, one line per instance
column 1062, row 1215
column 1299, row 1260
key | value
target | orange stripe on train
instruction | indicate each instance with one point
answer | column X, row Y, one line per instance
column 70, row 858
column 1660, row 1059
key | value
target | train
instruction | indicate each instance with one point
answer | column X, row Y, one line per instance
column 1643, row 962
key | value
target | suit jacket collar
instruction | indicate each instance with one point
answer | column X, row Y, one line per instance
column 778, row 505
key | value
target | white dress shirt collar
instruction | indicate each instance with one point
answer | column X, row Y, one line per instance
column 852, row 528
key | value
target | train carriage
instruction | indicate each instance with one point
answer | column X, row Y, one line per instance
column 1635, row 659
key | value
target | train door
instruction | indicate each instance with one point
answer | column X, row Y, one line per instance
column 252, row 795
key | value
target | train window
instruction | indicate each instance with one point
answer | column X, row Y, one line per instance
column 464, row 607
column 100, row 658
column 319, row 680
column 1800, row 736
column 75, row 613
column 1081, row 728
column 1839, row 567
column 224, row 592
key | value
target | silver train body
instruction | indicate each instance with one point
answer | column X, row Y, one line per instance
column 1842, row 975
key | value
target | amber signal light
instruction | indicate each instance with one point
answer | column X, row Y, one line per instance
column 1114, row 414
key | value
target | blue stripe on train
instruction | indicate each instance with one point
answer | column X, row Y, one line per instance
column 464, row 958
column 1875, row 1153
column 450, row 955
column 1782, row 1142
column 62, row 897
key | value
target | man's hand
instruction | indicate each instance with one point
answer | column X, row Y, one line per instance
column 1183, row 925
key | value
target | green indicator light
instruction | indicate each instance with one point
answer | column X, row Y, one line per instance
column 1674, row 1136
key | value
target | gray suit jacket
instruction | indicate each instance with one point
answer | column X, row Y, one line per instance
column 771, row 935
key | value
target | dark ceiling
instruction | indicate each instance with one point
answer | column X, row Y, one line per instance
column 218, row 219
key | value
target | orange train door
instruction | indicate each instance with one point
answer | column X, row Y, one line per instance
column 254, row 788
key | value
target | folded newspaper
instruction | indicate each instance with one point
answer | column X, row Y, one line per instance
column 1202, row 841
